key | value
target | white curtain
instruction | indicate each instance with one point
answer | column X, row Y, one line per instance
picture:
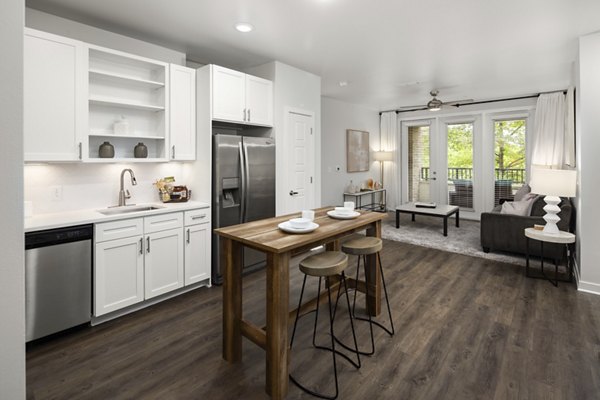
column 570, row 129
column 390, row 141
column 549, row 130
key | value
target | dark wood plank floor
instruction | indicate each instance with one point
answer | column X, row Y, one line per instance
column 467, row 328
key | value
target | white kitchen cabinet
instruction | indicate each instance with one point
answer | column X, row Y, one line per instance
column 197, row 246
column 54, row 93
column 137, row 259
column 135, row 89
column 163, row 262
column 182, row 117
column 259, row 101
column 118, row 274
column 241, row 98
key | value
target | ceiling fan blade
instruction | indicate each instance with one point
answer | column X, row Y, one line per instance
column 406, row 109
column 410, row 107
column 455, row 102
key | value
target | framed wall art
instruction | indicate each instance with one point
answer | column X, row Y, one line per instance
column 357, row 150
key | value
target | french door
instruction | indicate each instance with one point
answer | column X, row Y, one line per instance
column 439, row 162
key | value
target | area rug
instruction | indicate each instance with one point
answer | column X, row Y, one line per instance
column 428, row 232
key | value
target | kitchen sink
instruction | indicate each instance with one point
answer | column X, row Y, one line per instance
column 128, row 209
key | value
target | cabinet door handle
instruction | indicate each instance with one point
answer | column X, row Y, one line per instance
column 80, row 151
column 148, row 244
column 248, row 115
column 188, row 236
column 292, row 193
column 244, row 114
column 173, row 152
column 141, row 246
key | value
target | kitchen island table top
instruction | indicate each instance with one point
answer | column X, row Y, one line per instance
column 279, row 246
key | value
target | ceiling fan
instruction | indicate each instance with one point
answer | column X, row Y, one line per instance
column 435, row 104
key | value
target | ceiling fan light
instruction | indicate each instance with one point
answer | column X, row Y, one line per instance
column 434, row 105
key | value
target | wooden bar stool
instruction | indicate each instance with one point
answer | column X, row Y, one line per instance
column 362, row 247
column 325, row 265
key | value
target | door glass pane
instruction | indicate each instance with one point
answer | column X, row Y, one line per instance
column 460, row 165
column 418, row 163
column 509, row 158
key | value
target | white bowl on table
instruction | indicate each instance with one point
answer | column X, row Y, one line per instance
column 300, row 223
column 343, row 210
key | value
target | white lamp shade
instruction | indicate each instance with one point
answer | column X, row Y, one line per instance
column 383, row 155
column 553, row 182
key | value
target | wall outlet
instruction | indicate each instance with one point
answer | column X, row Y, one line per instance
column 56, row 193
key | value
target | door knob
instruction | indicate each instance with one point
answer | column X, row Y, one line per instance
column 293, row 193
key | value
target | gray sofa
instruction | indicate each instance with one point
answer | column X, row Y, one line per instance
column 505, row 232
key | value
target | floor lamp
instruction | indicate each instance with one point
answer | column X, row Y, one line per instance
column 383, row 156
column 553, row 183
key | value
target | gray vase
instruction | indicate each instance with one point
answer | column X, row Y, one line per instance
column 140, row 150
column 106, row 150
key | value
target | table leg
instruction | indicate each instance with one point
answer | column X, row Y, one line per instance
column 397, row 219
column 278, row 268
column 413, row 217
column 231, row 259
column 457, row 218
column 446, row 225
column 527, row 256
column 374, row 279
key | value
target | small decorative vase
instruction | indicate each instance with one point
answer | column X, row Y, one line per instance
column 140, row 150
column 106, row 150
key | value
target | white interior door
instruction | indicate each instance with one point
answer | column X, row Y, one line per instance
column 299, row 162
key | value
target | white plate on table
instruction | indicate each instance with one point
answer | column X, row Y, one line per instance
column 287, row 227
column 336, row 215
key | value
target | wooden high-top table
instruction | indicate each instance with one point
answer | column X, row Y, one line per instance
column 265, row 236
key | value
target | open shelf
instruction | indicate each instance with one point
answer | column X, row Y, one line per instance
column 124, row 103
column 108, row 134
column 96, row 73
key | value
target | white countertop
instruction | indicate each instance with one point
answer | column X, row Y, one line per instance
column 92, row 216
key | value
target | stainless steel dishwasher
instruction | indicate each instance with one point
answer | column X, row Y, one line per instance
column 58, row 279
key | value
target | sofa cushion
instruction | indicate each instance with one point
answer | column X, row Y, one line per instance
column 525, row 189
column 522, row 207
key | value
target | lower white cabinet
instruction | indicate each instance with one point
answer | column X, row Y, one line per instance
column 141, row 258
column 118, row 274
column 197, row 253
column 164, row 262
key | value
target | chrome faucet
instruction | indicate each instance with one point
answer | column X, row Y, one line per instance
column 124, row 194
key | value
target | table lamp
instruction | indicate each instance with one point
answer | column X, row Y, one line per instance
column 382, row 156
column 553, row 183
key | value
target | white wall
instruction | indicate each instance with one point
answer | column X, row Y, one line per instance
column 86, row 186
column 588, row 144
column 337, row 116
column 298, row 89
column 65, row 27
column 12, row 285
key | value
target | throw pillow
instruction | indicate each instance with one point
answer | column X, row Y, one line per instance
column 522, row 207
column 525, row 189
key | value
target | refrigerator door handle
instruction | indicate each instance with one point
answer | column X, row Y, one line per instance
column 246, row 178
column 243, row 179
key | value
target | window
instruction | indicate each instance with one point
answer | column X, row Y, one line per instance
column 460, row 165
column 509, row 158
column 418, row 163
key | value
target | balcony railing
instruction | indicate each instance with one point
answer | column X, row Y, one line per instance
column 516, row 175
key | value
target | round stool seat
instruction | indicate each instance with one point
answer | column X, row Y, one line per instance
column 327, row 263
column 362, row 246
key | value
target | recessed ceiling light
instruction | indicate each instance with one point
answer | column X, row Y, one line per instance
column 343, row 83
column 244, row 27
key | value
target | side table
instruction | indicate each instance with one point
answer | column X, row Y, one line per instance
column 562, row 237
column 374, row 205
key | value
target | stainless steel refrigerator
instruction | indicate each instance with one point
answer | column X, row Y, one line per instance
column 243, row 190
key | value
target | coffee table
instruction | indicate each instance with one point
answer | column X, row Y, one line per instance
column 442, row 211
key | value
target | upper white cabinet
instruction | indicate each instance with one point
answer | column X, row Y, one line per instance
column 54, row 97
column 132, row 92
column 183, row 113
column 241, row 98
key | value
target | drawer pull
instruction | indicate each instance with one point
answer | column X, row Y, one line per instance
column 199, row 216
